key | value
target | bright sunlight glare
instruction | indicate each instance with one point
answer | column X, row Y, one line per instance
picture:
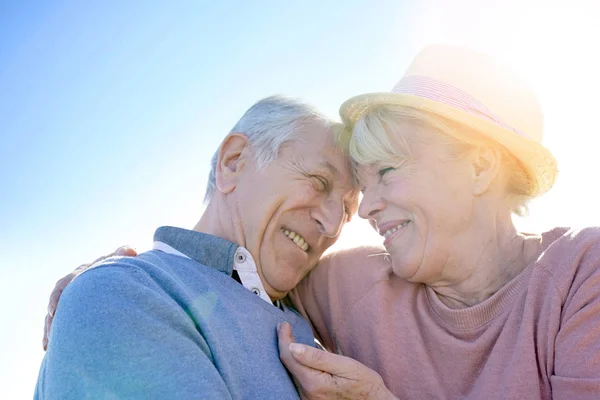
column 111, row 113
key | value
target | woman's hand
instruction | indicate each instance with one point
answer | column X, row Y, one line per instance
column 321, row 375
column 64, row 281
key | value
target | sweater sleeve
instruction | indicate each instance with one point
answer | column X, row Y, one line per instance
column 328, row 291
column 310, row 298
column 577, row 346
column 116, row 335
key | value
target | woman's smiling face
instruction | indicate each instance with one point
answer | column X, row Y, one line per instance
column 420, row 202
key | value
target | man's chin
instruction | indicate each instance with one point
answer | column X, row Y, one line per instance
column 276, row 294
column 281, row 288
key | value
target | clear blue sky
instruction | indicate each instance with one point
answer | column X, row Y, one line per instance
column 110, row 112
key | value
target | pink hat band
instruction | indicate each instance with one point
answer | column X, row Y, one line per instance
column 422, row 86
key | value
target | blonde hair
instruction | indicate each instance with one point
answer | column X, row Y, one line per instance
column 369, row 142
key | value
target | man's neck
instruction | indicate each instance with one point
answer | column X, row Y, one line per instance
column 218, row 220
column 221, row 220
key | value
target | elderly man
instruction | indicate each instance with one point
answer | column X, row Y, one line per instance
column 197, row 316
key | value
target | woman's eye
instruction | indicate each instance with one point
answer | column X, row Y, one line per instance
column 385, row 170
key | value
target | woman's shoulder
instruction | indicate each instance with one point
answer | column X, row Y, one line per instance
column 571, row 255
column 360, row 263
column 562, row 244
column 572, row 234
column 358, row 268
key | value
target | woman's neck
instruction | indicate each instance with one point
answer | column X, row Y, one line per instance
column 492, row 257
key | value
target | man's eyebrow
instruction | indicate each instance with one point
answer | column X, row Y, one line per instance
column 330, row 167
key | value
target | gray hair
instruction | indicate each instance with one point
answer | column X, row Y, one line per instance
column 269, row 124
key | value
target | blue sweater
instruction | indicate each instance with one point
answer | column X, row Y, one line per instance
column 161, row 326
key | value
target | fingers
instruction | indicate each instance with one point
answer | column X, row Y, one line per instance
column 322, row 375
column 320, row 360
column 285, row 336
column 121, row 251
column 295, row 356
column 81, row 268
column 307, row 380
column 286, row 343
column 126, row 251
column 47, row 326
column 53, row 303
column 57, row 291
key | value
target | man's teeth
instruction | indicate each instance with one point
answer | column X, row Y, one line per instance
column 387, row 233
column 296, row 238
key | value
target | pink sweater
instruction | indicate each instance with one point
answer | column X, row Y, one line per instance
column 537, row 338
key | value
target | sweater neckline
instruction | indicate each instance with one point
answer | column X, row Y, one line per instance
column 484, row 312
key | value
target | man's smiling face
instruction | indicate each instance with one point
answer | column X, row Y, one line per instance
column 294, row 209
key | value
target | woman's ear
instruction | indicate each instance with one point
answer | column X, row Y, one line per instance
column 486, row 164
column 233, row 157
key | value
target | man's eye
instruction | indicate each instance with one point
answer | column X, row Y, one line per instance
column 322, row 182
column 385, row 170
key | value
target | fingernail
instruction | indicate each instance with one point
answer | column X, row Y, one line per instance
column 296, row 349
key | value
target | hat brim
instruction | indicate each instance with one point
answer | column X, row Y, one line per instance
column 535, row 158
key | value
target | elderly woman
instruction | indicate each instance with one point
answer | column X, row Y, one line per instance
column 459, row 304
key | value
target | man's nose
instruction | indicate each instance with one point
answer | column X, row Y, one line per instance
column 330, row 217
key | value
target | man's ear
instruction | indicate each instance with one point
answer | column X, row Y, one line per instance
column 234, row 154
column 486, row 167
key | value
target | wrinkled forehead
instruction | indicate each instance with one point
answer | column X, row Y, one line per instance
column 336, row 162
column 343, row 165
column 363, row 172
column 342, row 155
column 322, row 155
column 327, row 153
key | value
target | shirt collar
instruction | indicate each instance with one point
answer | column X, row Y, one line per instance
column 206, row 249
column 212, row 251
column 246, row 268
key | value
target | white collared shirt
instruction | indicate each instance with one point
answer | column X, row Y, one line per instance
column 243, row 263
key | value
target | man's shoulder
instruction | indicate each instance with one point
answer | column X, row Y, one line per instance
column 120, row 271
column 152, row 267
column 115, row 278
column 126, row 321
column 132, row 279
column 112, row 299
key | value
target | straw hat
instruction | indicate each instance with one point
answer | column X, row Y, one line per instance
column 474, row 90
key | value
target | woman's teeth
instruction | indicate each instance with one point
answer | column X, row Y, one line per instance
column 387, row 233
column 296, row 238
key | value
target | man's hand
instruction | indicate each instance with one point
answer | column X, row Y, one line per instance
column 64, row 281
column 321, row 375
